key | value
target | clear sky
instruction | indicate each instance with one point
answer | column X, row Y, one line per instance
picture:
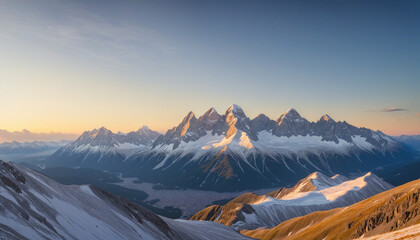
column 70, row 66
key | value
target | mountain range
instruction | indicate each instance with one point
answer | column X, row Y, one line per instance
column 15, row 147
column 316, row 192
column 102, row 149
column 232, row 152
column 411, row 140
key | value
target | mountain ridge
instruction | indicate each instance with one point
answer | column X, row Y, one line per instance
column 230, row 151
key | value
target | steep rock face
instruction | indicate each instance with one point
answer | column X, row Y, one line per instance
column 143, row 136
column 190, row 129
column 314, row 193
column 262, row 123
column 291, row 124
column 391, row 210
column 209, row 119
column 35, row 207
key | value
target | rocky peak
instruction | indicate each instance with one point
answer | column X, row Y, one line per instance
column 291, row 115
column 291, row 123
column 189, row 121
column 326, row 118
column 190, row 129
column 262, row 123
column 210, row 118
column 235, row 111
column 103, row 132
column 97, row 137
column 190, row 116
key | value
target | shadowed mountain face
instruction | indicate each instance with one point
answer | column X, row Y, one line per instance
column 314, row 193
column 392, row 210
column 232, row 152
column 36, row 207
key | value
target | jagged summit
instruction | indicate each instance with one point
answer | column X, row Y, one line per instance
column 234, row 108
column 326, row 118
column 210, row 118
column 211, row 111
column 236, row 111
column 292, row 111
column 190, row 115
column 290, row 115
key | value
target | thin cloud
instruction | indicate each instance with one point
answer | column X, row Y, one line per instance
column 118, row 43
column 393, row 109
column 28, row 136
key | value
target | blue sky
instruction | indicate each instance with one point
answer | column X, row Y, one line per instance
column 68, row 66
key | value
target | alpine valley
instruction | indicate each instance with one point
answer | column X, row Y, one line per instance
column 231, row 152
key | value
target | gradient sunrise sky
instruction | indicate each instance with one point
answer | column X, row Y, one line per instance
column 70, row 66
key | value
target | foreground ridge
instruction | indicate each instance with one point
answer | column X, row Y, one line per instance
column 392, row 210
column 36, row 207
column 316, row 192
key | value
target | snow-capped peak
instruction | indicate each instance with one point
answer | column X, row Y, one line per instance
column 234, row 108
column 236, row 111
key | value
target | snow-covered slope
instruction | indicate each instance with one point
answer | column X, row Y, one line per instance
column 314, row 193
column 35, row 207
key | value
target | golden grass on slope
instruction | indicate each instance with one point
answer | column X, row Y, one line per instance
column 384, row 212
column 408, row 233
